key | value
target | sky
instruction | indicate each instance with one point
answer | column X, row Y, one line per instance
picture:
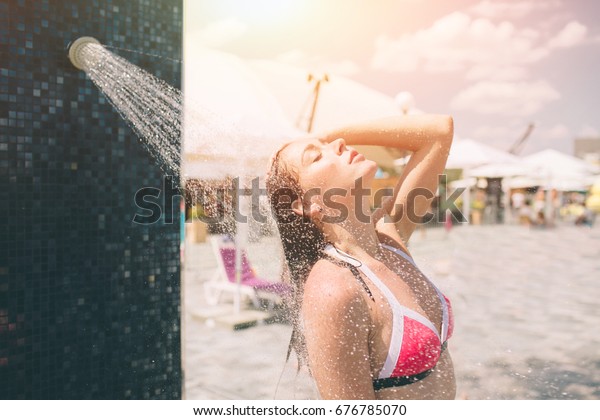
column 496, row 66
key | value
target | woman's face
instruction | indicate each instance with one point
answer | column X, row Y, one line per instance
column 328, row 165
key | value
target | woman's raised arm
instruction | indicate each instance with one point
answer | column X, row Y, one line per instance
column 428, row 137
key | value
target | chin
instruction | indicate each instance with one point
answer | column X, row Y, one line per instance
column 372, row 169
column 368, row 174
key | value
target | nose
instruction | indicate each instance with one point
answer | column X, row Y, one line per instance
column 339, row 145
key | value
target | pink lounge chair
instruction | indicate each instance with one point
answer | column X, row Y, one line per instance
column 251, row 286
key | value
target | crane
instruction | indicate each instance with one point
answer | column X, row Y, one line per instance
column 315, row 98
column 516, row 148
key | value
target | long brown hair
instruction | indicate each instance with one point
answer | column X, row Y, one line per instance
column 302, row 241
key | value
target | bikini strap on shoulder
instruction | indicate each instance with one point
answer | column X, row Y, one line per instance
column 354, row 272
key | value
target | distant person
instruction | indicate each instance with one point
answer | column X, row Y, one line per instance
column 517, row 201
column 448, row 222
column 526, row 213
column 540, row 219
column 539, row 206
column 477, row 207
column 587, row 217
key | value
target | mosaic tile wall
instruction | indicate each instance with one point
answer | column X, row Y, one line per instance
column 89, row 301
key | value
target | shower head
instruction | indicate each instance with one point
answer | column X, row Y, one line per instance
column 75, row 49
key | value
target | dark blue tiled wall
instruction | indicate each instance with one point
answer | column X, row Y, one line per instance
column 89, row 301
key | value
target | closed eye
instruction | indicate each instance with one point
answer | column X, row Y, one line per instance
column 317, row 156
column 310, row 154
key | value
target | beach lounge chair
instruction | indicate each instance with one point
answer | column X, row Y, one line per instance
column 251, row 286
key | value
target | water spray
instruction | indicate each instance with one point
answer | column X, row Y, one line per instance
column 154, row 110
column 150, row 106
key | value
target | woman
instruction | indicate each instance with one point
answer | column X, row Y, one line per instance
column 369, row 324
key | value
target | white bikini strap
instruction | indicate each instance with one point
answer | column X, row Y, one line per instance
column 420, row 319
column 445, row 316
column 397, row 310
column 400, row 252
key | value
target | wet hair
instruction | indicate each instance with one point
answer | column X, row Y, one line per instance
column 302, row 241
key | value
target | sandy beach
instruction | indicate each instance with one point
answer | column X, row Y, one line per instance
column 525, row 302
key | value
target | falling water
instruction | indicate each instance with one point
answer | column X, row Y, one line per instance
column 155, row 111
column 149, row 105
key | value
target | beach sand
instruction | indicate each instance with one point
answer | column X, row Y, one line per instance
column 526, row 317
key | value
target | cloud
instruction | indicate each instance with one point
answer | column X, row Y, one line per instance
column 491, row 72
column 571, row 35
column 587, row 131
column 479, row 47
column 505, row 98
column 556, row 132
column 502, row 137
column 220, row 33
column 558, row 137
column 511, row 10
column 488, row 132
column 319, row 64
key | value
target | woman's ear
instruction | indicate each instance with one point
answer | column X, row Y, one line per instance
column 297, row 207
column 314, row 211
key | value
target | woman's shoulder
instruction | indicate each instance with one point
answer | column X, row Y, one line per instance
column 330, row 287
column 328, row 277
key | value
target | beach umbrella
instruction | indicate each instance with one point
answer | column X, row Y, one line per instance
column 502, row 170
column 341, row 101
column 560, row 171
column 558, row 165
column 567, row 184
column 468, row 153
column 232, row 124
column 563, row 184
column 463, row 183
column 523, row 182
column 232, row 121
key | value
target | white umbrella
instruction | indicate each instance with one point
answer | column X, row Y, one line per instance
column 560, row 171
column 564, row 184
column 567, row 184
column 502, row 170
column 463, row 183
column 468, row 153
column 232, row 125
column 523, row 182
column 232, row 120
column 560, row 163
column 341, row 101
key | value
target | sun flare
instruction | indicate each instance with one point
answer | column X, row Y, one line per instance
column 260, row 11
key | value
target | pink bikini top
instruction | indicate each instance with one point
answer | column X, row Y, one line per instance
column 415, row 345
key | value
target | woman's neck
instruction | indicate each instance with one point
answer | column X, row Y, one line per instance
column 355, row 238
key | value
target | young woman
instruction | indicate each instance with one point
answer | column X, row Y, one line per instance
column 369, row 324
